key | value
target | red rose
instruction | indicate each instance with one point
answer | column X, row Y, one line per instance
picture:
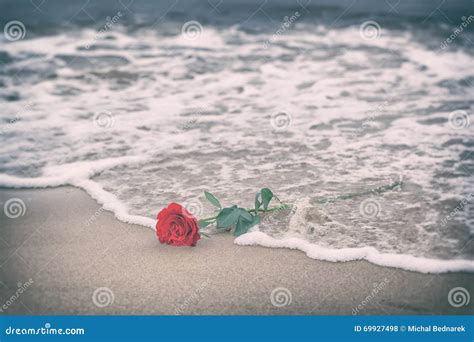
column 176, row 226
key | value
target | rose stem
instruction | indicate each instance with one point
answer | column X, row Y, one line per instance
column 213, row 218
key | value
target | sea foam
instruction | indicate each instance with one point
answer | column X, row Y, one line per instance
column 370, row 254
column 188, row 116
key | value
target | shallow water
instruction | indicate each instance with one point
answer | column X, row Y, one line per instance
column 313, row 110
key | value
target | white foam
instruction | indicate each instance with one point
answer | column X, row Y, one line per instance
column 111, row 203
column 370, row 254
column 221, row 86
column 78, row 174
column 66, row 174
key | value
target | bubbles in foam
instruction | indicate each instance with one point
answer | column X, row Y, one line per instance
column 89, row 120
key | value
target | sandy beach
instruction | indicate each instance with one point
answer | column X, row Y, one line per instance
column 78, row 259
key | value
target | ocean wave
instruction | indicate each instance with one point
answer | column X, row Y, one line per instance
column 370, row 254
column 144, row 117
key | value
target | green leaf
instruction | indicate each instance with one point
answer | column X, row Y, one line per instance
column 230, row 216
column 245, row 214
column 257, row 202
column 267, row 196
column 227, row 217
column 243, row 225
column 203, row 223
column 211, row 198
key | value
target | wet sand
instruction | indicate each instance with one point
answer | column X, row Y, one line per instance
column 70, row 249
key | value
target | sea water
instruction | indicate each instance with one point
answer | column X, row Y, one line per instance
column 141, row 105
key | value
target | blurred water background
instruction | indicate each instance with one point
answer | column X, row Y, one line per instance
column 311, row 98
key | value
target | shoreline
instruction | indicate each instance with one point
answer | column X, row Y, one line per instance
column 369, row 254
column 70, row 258
column 110, row 203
